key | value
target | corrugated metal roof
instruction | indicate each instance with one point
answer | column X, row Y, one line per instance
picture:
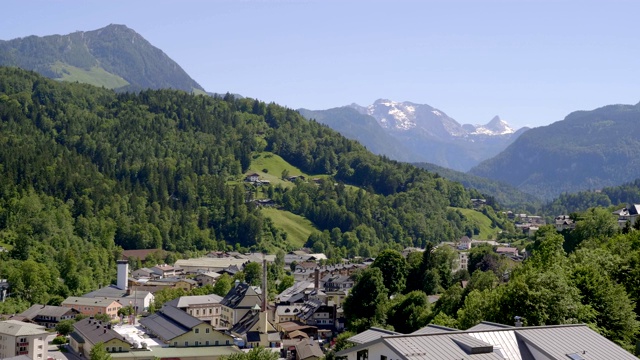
column 432, row 329
column 437, row 347
column 371, row 334
column 487, row 325
column 574, row 339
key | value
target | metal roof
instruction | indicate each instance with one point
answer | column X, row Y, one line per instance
column 95, row 331
column 371, row 334
column 432, row 329
column 511, row 343
column 47, row 310
column 169, row 322
column 186, row 301
column 487, row 325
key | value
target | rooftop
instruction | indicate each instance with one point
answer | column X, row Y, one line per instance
column 19, row 328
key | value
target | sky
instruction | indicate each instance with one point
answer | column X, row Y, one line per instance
column 530, row 62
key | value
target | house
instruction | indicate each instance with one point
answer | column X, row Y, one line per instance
column 18, row 338
column 317, row 313
column 264, row 202
column 138, row 299
column 575, row 341
column 49, row 316
column 565, row 222
column 308, row 349
column 463, row 261
column 629, row 214
column 509, row 251
column 164, row 270
column 91, row 306
column 145, row 273
column 179, row 329
column 478, row 203
column 255, row 329
column 88, row 332
column 287, row 313
column 238, row 302
column 464, row 243
column 252, row 177
column 207, row 278
column 204, row 307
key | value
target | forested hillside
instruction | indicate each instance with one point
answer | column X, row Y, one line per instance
column 497, row 193
column 622, row 195
column 85, row 172
column 586, row 150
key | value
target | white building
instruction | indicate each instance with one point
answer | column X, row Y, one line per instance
column 20, row 338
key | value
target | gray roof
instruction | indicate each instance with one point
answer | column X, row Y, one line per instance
column 511, row 343
column 187, row 301
column 371, row 334
column 74, row 300
column 47, row 310
column 234, row 296
column 96, row 331
column 19, row 328
column 487, row 325
column 169, row 322
column 432, row 329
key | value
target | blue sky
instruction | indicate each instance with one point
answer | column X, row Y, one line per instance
column 531, row 62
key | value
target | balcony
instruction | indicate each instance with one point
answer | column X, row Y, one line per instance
column 22, row 344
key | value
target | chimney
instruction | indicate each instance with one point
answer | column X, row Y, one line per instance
column 518, row 321
column 123, row 275
column 265, row 294
column 317, row 279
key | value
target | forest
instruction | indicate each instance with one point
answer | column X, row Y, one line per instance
column 590, row 275
column 86, row 172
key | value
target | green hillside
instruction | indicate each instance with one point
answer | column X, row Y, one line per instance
column 87, row 172
column 482, row 222
column 295, row 226
column 115, row 57
column 96, row 76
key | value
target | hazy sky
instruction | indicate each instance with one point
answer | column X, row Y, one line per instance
column 531, row 62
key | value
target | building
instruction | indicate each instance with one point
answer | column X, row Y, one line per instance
column 488, row 341
column 238, row 302
column 198, row 265
column 627, row 214
column 564, row 222
column 176, row 328
column 207, row 278
column 92, row 307
column 206, row 307
column 18, row 338
column 255, row 329
column 88, row 332
column 252, row 177
column 164, row 270
column 49, row 316
column 138, row 299
column 308, row 349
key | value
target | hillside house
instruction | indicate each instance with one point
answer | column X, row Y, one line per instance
column 564, row 222
column 627, row 214
column 252, row 177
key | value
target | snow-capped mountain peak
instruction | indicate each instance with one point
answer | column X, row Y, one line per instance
column 393, row 114
column 495, row 127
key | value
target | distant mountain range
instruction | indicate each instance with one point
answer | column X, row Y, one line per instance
column 115, row 57
column 586, row 150
column 412, row 132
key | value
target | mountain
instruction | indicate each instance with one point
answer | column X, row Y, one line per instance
column 586, row 150
column 420, row 133
column 362, row 128
column 115, row 57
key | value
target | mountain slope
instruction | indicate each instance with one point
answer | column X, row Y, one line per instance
column 505, row 195
column 362, row 128
column 430, row 135
column 586, row 150
column 115, row 57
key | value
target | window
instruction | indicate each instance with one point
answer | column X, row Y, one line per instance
column 207, row 343
column 217, row 343
column 363, row 354
column 197, row 331
column 197, row 343
column 382, row 357
column 186, row 343
column 175, row 343
column 227, row 342
column 120, row 348
column 207, row 331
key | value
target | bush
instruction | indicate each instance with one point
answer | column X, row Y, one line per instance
column 60, row 340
